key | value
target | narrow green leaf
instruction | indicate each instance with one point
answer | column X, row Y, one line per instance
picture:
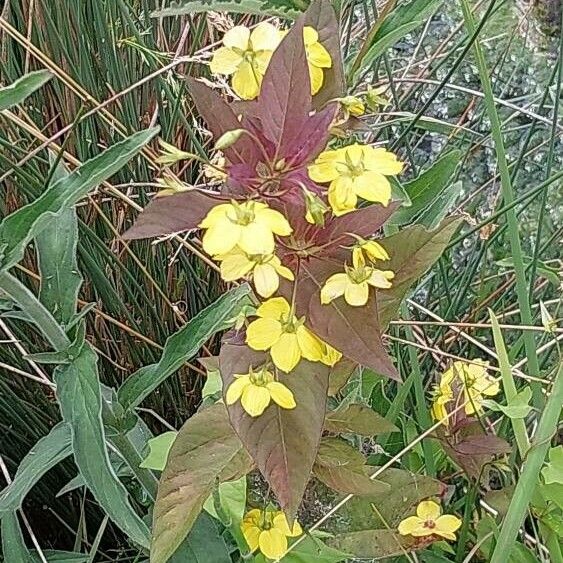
column 181, row 346
column 55, row 245
column 407, row 12
column 46, row 453
column 53, row 556
column 13, row 545
column 436, row 212
column 427, row 188
column 159, row 448
column 80, row 399
column 22, row 88
column 206, row 451
column 279, row 8
column 18, row 228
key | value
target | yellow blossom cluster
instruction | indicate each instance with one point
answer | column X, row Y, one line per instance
column 430, row 521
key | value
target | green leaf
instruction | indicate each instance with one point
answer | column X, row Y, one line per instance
column 413, row 251
column 342, row 468
column 517, row 408
column 427, row 188
column 357, row 419
column 553, row 471
column 384, row 42
column 159, row 448
column 370, row 544
column 313, row 550
column 18, row 228
column 53, row 556
column 46, row 453
column 436, row 212
column 22, row 88
column 282, row 442
column 206, row 451
column 547, row 272
column 55, row 245
column 13, row 544
column 80, row 399
column 232, row 498
column 181, row 346
column 204, row 544
column 280, row 8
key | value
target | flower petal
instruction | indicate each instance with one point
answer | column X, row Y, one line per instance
column 310, row 345
column 225, row 61
column 238, row 37
column 215, row 214
column 273, row 544
column 373, row 186
column 222, row 237
column 411, row 526
column 246, row 81
column 318, row 56
column 334, row 287
column 251, row 534
column 428, row 510
column 447, row 524
column 274, row 220
column 357, row 294
column 262, row 334
column 310, row 35
column 380, row 279
column 257, row 238
column 286, row 352
column 234, row 265
column 316, row 76
column 324, row 167
column 274, row 308
column 236, row 388
column 266, row 280
column 280, row 523
column 281, row 395
column 255, row 399
column 264, row 37
column 382, row 161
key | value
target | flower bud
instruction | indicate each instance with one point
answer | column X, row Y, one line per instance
column 353, row 105
column 170, row 186
column 316, row 209
column 228, row 138
column 375, row 98
column 548, row 322
column 171, row 154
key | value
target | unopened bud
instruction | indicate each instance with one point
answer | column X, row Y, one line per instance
column 171, row 186
column 316, row 209
column 353, row 105
column 171, row 154
column 548, row 322
column 375, row 98
column 228, row 138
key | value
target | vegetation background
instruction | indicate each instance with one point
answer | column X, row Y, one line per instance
column 118, row 70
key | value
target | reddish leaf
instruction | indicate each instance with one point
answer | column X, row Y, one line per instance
column 220, row 118
column 285, row 95
column 205, row 452
column 357, row 419
column 339, row 375
column 321, row 16
column 282, row 442
column 413, row 250
column 342, row 468
column 378, row 544
column 352, row 330
column 478, row 445
column 175, row 213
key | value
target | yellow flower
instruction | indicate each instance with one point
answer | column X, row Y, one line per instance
column 251, row 225
column 355, row 171
column 354, row 283
column 246, row 56
column 428, row 522
column 277, row 329
column 371, row 249
column 268, row 531
column 331, row 355
column 265, row 269
column 255, row 391
column 471, row 378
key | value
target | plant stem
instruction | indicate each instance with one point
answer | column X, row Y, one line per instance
column 508, row 198
column 35, row 311
column 529, row 477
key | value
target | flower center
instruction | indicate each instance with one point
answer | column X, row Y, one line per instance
column 430, row 524
column 359, row 275
column 243, row 215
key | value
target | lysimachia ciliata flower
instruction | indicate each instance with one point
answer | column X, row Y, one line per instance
column 429, row 522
